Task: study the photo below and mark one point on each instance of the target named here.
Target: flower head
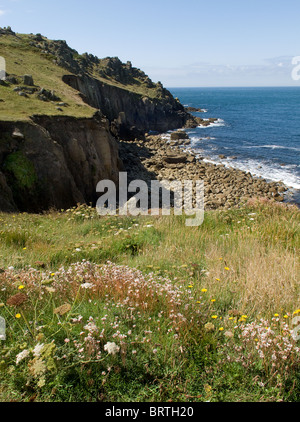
(111, 348)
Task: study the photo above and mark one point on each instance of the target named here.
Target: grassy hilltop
(47, 61)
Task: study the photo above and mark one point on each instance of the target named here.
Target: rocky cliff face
(124, 94)
(57, 160)
(130, 114)
(54, 162)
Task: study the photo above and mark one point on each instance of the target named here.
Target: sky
(182, 43)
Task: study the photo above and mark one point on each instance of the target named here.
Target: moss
(22, 169)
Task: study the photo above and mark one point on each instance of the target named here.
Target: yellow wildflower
(18, 316)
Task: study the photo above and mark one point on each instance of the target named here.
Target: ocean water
(258, 126)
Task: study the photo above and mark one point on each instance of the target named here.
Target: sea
(258, 130)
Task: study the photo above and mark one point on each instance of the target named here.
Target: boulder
(175, 159)
(28, 80)
(180, 134)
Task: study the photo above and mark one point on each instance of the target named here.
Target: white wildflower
(111, 348)
(87, 285)
(37, 350)
(24, 354)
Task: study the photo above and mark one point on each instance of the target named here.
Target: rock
(279, 198)
(222, 156)
(28, 80)
(18, 135)
(180, 134)
(175, 159)
(46, 95)
(11, 79)
(23, 94)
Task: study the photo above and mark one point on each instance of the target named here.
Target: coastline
(157, 158)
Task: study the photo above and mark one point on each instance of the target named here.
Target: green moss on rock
(22, 169)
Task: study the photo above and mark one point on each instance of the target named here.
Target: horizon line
(234, 86)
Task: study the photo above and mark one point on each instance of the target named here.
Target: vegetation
(147, 309)
(23, 57)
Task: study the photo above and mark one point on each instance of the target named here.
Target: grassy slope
(238, 263)
(21, 58)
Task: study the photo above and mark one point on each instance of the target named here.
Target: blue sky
(180, 43)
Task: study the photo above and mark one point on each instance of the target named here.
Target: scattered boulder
(180, 134)
(46, 95)
(28, 80)
(175, 159)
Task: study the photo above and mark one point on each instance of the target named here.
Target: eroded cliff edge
(55, 161)
(61, 114)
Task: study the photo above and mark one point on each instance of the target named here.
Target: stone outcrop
(130, 114)
(55, 162)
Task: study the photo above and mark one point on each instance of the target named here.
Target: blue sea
(258, 126)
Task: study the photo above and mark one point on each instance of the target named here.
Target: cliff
(60, 116)
(55, 162)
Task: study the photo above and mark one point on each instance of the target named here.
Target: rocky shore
(155, 158)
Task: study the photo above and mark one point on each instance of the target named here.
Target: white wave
(273, 147)
(264, 170)
(218, 123)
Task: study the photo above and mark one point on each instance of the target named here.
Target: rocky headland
(78, 119)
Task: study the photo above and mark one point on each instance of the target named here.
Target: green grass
(184, 301)
(21, 59)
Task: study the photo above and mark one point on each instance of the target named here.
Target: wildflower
(296, 312)
(228, 334)
(221, 329)
(214, 316)
(276, 315)
(213, 300)
(87, 286)
(21, 287)
(23, 355)
(62, 310)
(18, 316)
(285, 316)
(218, 279)
(111, 348)
(38, 350)
(154, 351)
(227, 269)
(17, 299)
(204, 290)
(209, 327)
